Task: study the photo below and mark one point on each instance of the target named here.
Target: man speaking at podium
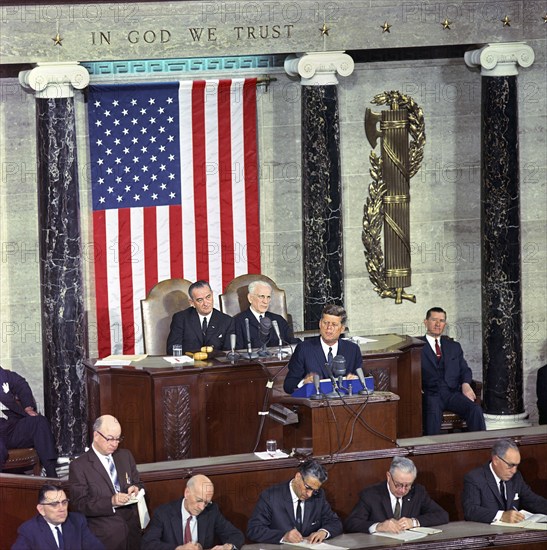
(311, 356)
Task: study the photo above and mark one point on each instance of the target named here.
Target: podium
(332, 426)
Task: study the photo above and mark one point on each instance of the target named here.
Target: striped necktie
(113, 473)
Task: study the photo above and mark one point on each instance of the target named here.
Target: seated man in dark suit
(20, 425)
(201, 324)
(53, 522)
(446, 378)
(397, 505)
(260, 296)
(295, 510)
(497, 490)
(310, 356)
(204, 525)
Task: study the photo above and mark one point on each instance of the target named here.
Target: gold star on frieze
(324, 30)
(446, 24)
(506, 21)
(385, 27)
(57, 40)
(545, 18)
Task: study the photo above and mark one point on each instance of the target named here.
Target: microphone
(317, 383)
(249, 346)
(339, 370)
(334, 393)
(265, 330)
(233, 356)
(361, 376)
(277, 333)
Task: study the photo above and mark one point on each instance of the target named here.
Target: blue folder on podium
(326, 387)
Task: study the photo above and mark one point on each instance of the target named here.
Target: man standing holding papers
(397, 505)
(497, 490)
(310, 356)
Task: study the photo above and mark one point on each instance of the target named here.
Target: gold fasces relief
(388, 204)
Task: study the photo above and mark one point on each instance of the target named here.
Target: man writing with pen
(295, 510)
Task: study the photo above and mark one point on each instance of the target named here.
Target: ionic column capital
(501, 59)
(319, 68)
(55, 80)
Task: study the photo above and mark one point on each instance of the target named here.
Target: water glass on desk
(177, 350)
(271, 447)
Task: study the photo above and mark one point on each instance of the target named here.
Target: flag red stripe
(225, 181)
(251, 177)
(101, 283)
(150, 248)
(200, 182)
(175, 241)
(126, 280)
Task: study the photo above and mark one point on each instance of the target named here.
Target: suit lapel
(99, 468)
(319, 358)
(47, 533)
(176, 523)
(194, 324)
(494, 487)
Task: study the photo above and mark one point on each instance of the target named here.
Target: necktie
(397, 511)
(437, 350)
(204, 326)
(61, 542)
(329, 357)
(299, 515)
(113, 473)
(188, 531)
(502, 493)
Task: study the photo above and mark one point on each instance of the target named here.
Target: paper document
(362, 340)
(113, 362)
(426, 530)
(403, 535)
(180, 360)
(265, 455)
(138, 357)
(317, 545)
(530, 521)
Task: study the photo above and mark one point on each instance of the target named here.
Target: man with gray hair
(296, 510)
(497, 490)
(397, 505)
(260, 296)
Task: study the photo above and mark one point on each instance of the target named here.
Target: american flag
(175, 193)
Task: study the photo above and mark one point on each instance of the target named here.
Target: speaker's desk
(212, 408)
(455, 535)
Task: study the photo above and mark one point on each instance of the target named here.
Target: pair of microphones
(266, 325)
(336, 371)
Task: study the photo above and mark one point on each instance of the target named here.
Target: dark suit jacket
(541, 390)
(91, 492)
(16, 399)
(374, 506)
(165, 529)
(254, 329)
(481, 495)
(273, 515)
(35, 534)
(309, 357)
(186, 330)
(456, 370)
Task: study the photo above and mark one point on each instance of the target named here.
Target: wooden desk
(458, 534)
(332, 426)
(211, 409)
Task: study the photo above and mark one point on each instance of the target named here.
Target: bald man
(102, 482)
(193, 522)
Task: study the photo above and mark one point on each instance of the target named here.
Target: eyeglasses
(263, 297)
(56, 504)
(110, 439)
(510, 465)
(308, 488)
(401, 485)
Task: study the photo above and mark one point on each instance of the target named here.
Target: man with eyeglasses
(296, 510)
(192, 522)
(397, 505)
(104, 483)
(201, 324)
(54, 527)
(497, 490)
(313, 354)
(260, 296)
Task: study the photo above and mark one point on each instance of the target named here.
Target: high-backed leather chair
(163, 301)
(234, 299)
(20, 460)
